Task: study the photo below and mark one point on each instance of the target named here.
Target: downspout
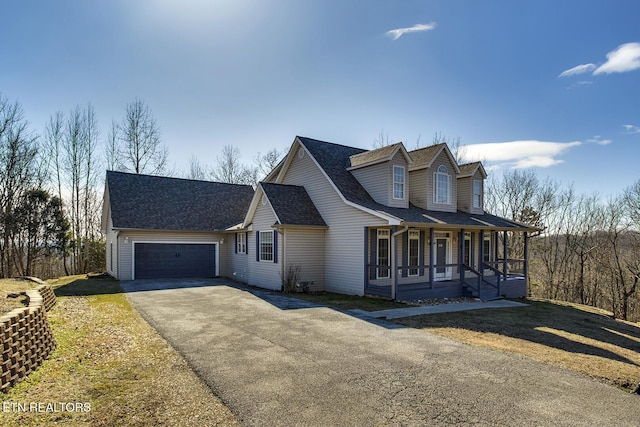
(394, 261)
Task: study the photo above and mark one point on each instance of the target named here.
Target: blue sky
(553, 85)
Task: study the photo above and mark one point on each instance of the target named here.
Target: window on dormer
(442, 185)
(477, 193)
(398, 182)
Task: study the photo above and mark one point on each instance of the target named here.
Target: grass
(580, 338)
(350, 302)
(13, 286)
(108, 357)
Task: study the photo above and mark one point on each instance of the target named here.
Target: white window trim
(413, 235)
(263, 242)
(446, 174)
(383, 234)
(467, 247)
(488, 254)
(394, 182)
(474, 194)
(242, 243)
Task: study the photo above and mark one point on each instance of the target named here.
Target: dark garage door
(172, 260)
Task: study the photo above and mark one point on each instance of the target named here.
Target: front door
(442, 257)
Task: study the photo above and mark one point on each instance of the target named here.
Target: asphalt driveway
(275, 360)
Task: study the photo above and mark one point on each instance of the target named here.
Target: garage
(174, 260)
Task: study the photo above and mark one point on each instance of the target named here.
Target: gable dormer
(384, 173)
(471, 188)
(433, 178)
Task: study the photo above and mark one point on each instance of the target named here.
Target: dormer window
(398, 182)
(477, 193)
(442, 186)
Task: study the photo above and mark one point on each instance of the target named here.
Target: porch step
(487, 293)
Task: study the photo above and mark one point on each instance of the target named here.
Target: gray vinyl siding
(305, 248)
(442, 159)
(265, 274)
(418, 188)
(125, 253)
(344, 239)
(465, 193)
(238, 264)
(111, 239)
(378, 181)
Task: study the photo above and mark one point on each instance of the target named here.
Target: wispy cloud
(519, 154)
(578, 69)
(631, 129)
(398, 32)
(597, 139)
(622, 59)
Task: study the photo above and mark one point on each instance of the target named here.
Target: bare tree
(111, 147)
(196, 169)
(455, 146)
(140, 149)
(267, 162)
(229, 169)
(382, 140)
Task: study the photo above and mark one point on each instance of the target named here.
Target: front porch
(422, 264)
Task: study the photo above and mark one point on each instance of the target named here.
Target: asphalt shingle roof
(372, 155)
(424, 156)
(292, 204)
(161, 203)
(334, 159)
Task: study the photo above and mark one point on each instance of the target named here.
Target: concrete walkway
(397, 313)
(276, 360)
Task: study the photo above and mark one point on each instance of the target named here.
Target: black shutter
(275, 246)
(236, 246)
(373, 257)
(405, 253)
(421, 251)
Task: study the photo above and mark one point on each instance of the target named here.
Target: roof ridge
(331, 143)
(175, 178)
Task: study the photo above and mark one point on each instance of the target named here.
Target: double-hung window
(467, 249)
(442, 185)
(383, 254)
(266, 246)
(486, 249)
(241, 243)
(398, 182)
(477, 193)
(414, 251)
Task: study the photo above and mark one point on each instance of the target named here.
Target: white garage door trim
(172, 242)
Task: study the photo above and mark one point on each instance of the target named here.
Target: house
(389, 222)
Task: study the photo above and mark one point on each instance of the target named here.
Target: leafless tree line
(589, 249)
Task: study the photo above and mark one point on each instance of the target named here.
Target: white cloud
(398, 32)
(631, 129)
(597, 139)
(519, 154)
(625, 57)
(578, 69)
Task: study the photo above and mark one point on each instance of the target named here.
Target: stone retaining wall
(26, 336)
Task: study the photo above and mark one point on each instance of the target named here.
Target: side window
(477, 193)
(398, 182)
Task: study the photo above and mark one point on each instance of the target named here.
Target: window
(442, 184)
(414, 251)
(467, 249)
(241, 243)
(487, 248)
(266, 246)
(383, 254)
(477, 193)
(398, 182)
